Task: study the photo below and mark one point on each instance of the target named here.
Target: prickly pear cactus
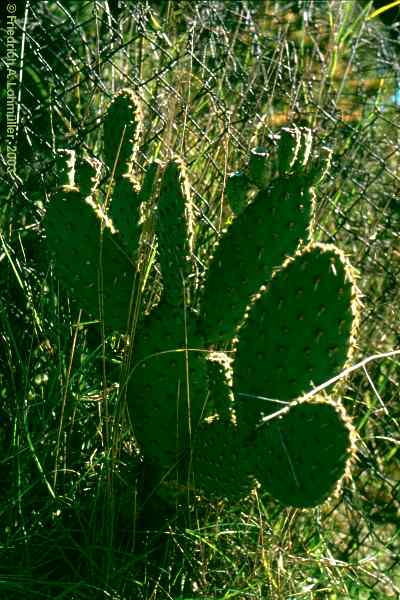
(219, 367)
(94, 235)
(289, 308)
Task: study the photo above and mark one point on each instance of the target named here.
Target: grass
(71, 479)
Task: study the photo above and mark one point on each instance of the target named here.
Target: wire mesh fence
(215, 78)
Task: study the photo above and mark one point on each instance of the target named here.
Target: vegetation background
(210, 74)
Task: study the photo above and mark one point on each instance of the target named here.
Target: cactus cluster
(220, 366)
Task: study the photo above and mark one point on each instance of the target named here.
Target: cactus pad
(175, 232)
(288, 148)
(298, 333)
(87, 174)
(258, 167)
(304, 453)
(89, 260)
(237, 186)
(168, 385)
(149, 181)
(124, 211)
(65, 166)
(122, 128)
(258, 240)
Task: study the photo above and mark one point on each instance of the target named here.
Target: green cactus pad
(122, 128)
(288, 148)
(304, 151)
(320, 166)
(124, 211)
(220, 466)
(168, 385)
(73, 228)
(304, 453)
(258, 240)
(298, 333)
(65, 167)
(237, 186)
(258, 167)
(149, 181)
(87, 175)
(294, 149)
(174, 232)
